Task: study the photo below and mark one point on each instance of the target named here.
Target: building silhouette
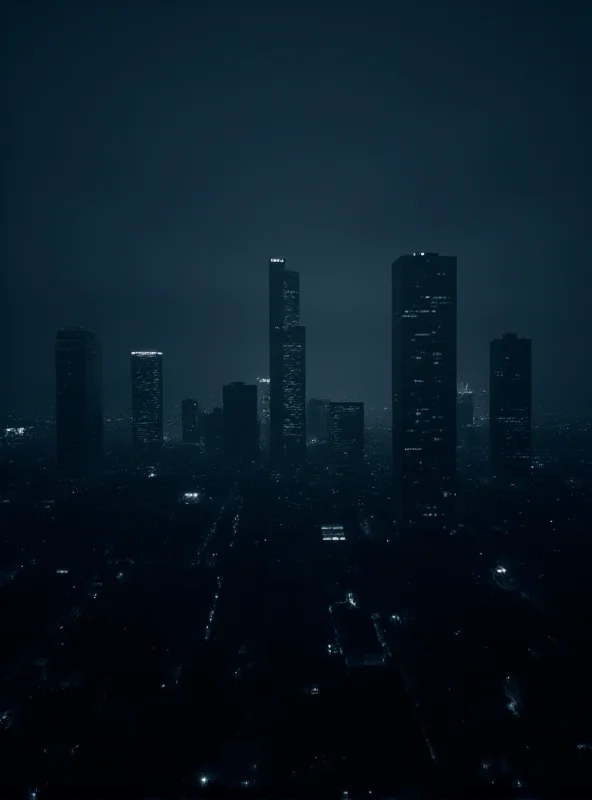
(147, 406)
(241, 427)
(346, 431)
(424, 390)
(190, 421)
(79, 402)
(317, 420)
(287, 367)
(510, 403)
(263, 385)
(212, 428)
(465, 414)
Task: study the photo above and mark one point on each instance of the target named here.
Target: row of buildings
(424, 393)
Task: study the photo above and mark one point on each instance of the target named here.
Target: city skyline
(158, 236)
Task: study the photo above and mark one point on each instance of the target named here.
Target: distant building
(241, 428)
(79, 402)
(465, 413)
(317, 422)
(510, 403)
(190, 421)
(212, 427)
(424, 389)
(346, 431)
(287, 367)
(294, 396)
(147, 402)
(263, 391)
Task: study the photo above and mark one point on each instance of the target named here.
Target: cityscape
(288, 508)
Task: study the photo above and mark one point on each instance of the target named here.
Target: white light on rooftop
(146, 353)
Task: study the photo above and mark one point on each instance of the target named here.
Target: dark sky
(156, 154)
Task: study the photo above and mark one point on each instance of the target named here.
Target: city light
(146, 353)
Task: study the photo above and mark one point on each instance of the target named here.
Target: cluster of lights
(277, 260)
(146, 353)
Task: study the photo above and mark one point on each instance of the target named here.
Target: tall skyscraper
(263, 385)
(79, 402)
(317, 422)
(190, 421)
(346, 429)
(241, 427)
(465, 413)
(287, 367)
(212, 424)
(510, 403)
(424, 389)
(147, 407)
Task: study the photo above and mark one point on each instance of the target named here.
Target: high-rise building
(190, 421)
(147, 407)
(263, 385)
(212, 425)
(287, 367)
(79, 402)
(424, 389)
(241, 427)
(346, 430)
(317, 421)
(510, 403)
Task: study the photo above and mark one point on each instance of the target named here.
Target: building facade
(263, 385)
(424, 403)
(241, 427)
(79, 402)
(212, 425)
(147, 400)
(346, 432)
(510, 403)
(317, 421)
(287, 367)
(190, 421)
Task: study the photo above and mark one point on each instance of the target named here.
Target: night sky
(155, 155)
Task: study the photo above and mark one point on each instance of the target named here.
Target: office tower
(287, 367)
(317, 421)
(465, 411)
(294, 396)
(241, 428)
(263, 385)
(346, 431)
(212, 426)
(424, 390)
(147, 409)
(79, 402)
(190, 421)
(510, 403)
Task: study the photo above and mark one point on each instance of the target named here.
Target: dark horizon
(154, 161)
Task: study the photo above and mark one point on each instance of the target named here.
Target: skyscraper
(510, 403)
(241, 427)
(317, 422)
(465, 413)
(424, 389)
(212, 424)
(346, 429)
(190, 421)
(287, 367)
(147, 408)
(79, 402)
(263, 407)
